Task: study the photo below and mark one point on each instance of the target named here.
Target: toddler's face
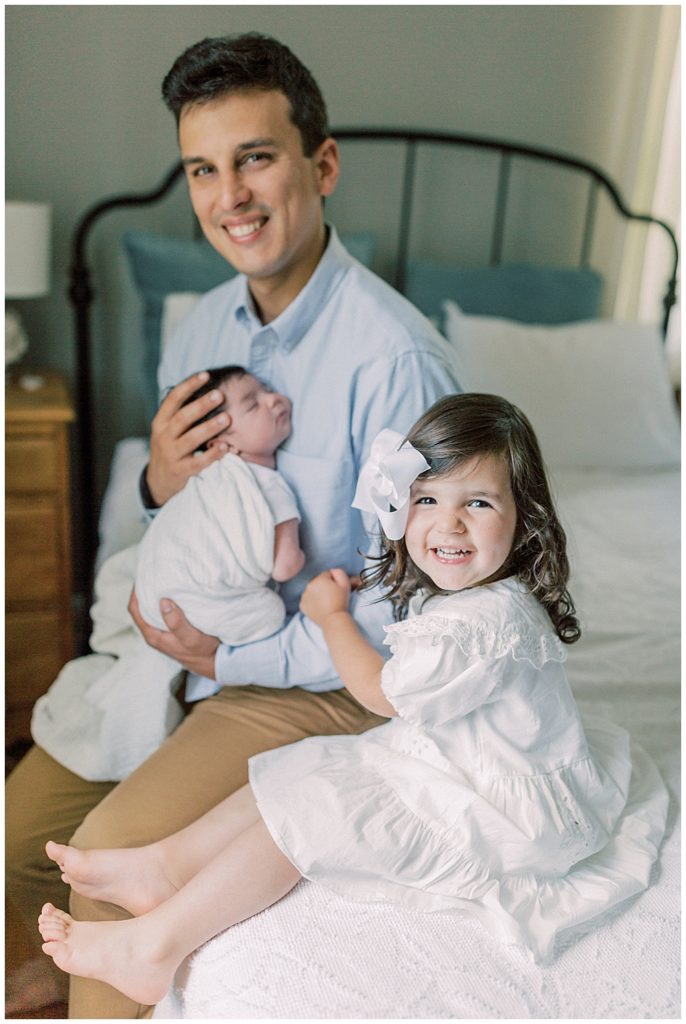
(461, 525)
(260, 418)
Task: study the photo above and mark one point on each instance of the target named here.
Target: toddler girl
(484, 794)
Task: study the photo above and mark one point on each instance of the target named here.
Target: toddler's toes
(52, 932)
(55, 851)
(61, 915)
(53, 922)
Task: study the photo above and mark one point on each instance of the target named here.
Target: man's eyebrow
(255, 144)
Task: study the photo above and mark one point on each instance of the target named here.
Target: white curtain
(647, 257)
(667, 205)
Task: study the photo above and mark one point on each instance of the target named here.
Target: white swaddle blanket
(211, 550)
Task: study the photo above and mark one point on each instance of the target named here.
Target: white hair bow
(385, 479)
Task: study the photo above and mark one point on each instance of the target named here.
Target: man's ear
(328, 165)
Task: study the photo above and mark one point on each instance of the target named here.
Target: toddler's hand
(325, 594)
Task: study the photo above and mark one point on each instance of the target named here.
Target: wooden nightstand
(38, 586)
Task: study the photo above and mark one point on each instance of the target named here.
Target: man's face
(257, 197)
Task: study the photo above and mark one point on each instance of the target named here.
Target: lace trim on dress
(480, 639)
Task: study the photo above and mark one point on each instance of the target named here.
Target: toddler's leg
(198, 766)
(140, 956)
(140, 878)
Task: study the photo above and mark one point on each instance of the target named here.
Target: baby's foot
(124, 954)
(133, 879)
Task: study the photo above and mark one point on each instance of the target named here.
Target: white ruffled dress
(486, 794)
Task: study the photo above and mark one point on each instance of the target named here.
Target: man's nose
(233, 190)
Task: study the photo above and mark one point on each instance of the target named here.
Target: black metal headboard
(81, 291)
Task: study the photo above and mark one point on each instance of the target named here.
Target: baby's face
(260, 419)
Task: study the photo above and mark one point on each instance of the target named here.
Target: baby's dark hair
(456, 430)
(217, 67)
(217, 376)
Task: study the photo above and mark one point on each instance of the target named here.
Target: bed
(599, 395)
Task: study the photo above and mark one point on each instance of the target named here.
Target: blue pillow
(161, 265)
(361, 245)
(514, 291)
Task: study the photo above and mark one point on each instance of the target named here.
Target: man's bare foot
(33, 985)
(134, 879)
(125, 954)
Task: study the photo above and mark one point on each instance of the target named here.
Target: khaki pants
(203, 762)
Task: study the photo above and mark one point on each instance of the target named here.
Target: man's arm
(295, 656)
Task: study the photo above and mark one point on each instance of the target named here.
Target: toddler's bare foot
(134, 879)
(124, 954)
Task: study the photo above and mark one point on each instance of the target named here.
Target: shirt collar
(297, 318)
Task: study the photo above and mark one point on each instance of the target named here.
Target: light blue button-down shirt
(353, 356)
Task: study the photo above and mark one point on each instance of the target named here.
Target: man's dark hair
(216, 67)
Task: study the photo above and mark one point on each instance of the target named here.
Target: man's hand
(326, 594)
(172, 441)
(181, 641)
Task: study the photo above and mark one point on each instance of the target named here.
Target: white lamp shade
(27, 250)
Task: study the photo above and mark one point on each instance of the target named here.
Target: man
(351, 354)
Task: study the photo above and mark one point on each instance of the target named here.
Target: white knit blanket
(210, 549)
(108, 711)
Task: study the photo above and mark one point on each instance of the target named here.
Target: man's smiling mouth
(244, 230)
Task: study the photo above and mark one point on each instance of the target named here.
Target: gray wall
(84, 118)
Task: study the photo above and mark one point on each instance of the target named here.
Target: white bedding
(316, 955)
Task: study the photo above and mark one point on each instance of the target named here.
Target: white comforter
(316, 955)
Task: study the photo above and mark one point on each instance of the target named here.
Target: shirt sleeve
(396, 393)
(297, 655)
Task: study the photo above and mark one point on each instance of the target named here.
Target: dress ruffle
(479, 639)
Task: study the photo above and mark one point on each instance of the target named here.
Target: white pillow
(176, 306)
(121, 520)
(597, 392)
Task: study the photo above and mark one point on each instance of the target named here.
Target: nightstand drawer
(32, 534)
(38, 613)
(31, 465)
(34, 654)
